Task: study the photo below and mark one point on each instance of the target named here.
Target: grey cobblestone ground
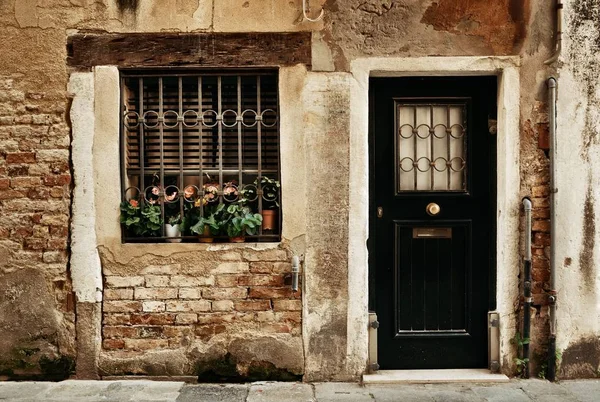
(138, 391)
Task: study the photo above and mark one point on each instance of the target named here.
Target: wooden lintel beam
(86, 50)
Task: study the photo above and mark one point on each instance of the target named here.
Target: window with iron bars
(200, 156)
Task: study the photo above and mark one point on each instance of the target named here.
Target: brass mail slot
(432, 233)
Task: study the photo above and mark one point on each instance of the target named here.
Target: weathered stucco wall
(578, 253)
(35, 162)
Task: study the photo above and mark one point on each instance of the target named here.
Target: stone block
(216, 318)
(119, 332)
(116, 319)
(146, 344)
(113, 343)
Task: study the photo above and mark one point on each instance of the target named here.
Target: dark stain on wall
(127, 5)
(586, 255)
(581, 359)
(502, 24)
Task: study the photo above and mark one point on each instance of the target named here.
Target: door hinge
(493, 126)
(374, 324)
(380, 212)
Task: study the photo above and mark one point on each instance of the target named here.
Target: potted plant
(239, 221)
(208, 225)
(270, 190)
(141, 221)
(173, 228)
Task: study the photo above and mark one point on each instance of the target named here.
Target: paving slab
(158, 391)
(452, 393)
(280, 392)
(501, 393)
(545, 391)
(74, 390)
(336, 391)
(584, 390)
(19, 390)
(396, 393)
(214, 393)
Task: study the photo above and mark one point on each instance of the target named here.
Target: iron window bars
(188, 137)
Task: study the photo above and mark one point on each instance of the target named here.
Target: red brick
(24, 182)
(146, 344)
(252, 305)
(117, 319)
(22, 232)
(287, 305)
(277, 328)
(57, 180)
(541, 239)
(59, 231)
(540, 203)
(224, 293)
(215, 318)
(119, 332)
(56, 244)
(261, 267)
(289, 316)
(271, 293)
(120, 306)
(38, 193)
(541, 213)
(10, 194)
(153, 319)
(113, 344)
(540, 274)
(208, 331)
(118, 294)
(541, 226)
(4, 183)
(20, 157)
(34, 244)
(540, 191)
(155, 293)
(543, 136)
(540, 262)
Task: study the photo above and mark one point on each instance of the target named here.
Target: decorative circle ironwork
(424, 164)
(190, 193)
(171, 194)
(409, 166)
(215, 114)
(250, 192)
(254, 119)
(166, 119)
(152, 194)
(128, 194)
(462, 131)
(146, 119)
(127, 117)
(427, 131)
(269, 192)
(263, 119)
(456, 160)
(224, 114)
(411, 131)
(195, 119)
(230, 192)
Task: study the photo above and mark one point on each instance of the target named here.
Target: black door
(432, 219)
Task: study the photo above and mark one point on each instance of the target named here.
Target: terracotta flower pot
(173, 231)
(237, 239)
(269, 219)
(206, 236)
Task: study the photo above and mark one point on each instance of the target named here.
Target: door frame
(506, 68)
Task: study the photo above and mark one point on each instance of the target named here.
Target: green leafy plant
(270, 188)
(141, 221)
(521, 363)
(174, 219)
(211, 220)
(238, 220)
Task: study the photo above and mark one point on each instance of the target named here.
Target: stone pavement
(142, 390)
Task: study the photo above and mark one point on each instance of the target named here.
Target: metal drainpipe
(558, 45)
(527, 284)
(552, 85)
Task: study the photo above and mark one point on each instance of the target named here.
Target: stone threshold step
(433, 376)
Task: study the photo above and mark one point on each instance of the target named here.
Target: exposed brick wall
(173, 302)
(34, 215)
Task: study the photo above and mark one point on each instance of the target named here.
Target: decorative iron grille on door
(191, 142)
(431, 147)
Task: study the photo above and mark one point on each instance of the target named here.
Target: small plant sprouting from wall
(521, 363)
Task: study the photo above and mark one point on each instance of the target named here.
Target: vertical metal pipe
(552, 87)
(239, 127)
(180, 124)
(527, 286)
(162, 152)
(141, 128)
(200, 150)
(220, 128)
(259, 148)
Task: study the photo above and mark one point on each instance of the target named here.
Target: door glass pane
(431, 147)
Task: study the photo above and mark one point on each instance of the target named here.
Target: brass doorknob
(433, 209)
